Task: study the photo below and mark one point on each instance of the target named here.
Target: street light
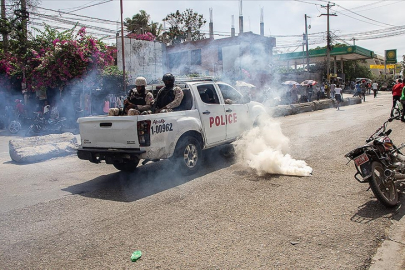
(122, 48)
(306, 40)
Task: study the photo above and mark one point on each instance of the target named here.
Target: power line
(363, 16)
(82, 16)
(106, 1)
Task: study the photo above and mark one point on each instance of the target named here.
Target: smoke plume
(264, 149)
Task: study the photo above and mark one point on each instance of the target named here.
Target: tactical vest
(165, 96)
(138, 99)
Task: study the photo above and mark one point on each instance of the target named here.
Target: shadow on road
(148, 179)
(373, 210)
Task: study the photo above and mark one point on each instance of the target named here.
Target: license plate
(363, 158)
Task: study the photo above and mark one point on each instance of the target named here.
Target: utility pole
(24, 20)
(122, 49)
(3, 16)
(306, 41)
(328, 46)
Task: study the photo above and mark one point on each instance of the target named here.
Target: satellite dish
(309, 26)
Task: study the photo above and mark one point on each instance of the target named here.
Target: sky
(375, 25)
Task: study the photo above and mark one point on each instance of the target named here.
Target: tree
(54, 59)
(139, 24)
(140, 27)
(179, 24)
(156, 29)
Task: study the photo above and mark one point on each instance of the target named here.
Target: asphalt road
(66, 213)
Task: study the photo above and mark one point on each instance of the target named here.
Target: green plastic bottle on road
(136, 255)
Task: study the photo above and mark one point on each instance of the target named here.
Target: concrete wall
(284, 110)
(142, 58)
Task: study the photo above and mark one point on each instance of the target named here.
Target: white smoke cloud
(264, 149)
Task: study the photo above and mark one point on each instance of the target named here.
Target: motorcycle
(43, 125)
(380, 164)
(21, 121)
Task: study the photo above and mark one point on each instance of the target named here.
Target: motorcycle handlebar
(381, 130)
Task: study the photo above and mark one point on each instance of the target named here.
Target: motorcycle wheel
(14, 127)
(33, 130)
(383, 188)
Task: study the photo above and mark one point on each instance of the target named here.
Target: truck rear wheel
(188, 155)
(126, 166)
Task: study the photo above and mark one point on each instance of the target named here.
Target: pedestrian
(321, 92)
(332, 90)
(357, 90)
(137, 101)
(402, 99)
(369, 87)
(327, 90)
(338, 96)
(169, 97)
(309, 92)
(375, 88)
(396, 94)
(294, 94)
(363, 87)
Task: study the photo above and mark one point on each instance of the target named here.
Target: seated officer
(138, 101)
(168, 97)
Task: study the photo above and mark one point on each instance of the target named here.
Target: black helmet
(168, 77)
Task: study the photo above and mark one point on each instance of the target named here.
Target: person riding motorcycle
(169, 97)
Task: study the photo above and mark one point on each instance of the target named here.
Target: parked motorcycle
(381, 164)
(43, 125)
(20, 121)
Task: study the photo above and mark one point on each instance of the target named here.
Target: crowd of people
(364, 87)
(332, 90)
(314, 91)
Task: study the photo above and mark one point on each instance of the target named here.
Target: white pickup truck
(203, 120)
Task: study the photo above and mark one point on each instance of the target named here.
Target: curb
(390, 255)
(284, 110)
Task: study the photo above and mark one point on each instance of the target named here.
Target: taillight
(144, 133)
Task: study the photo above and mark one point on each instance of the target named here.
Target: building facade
(246, 56)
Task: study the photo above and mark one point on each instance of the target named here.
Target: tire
(33, 130)
(188, 155)
(126, 166)
(14, 127)
(395, 112)
(384, 189)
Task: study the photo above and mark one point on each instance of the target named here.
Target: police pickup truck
(203, 120)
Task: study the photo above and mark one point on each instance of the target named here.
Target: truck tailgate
(109, 132)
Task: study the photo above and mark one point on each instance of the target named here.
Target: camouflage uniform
(178, 97)
(138, 109)
(133, 109)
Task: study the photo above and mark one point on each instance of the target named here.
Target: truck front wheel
(126, 166)
(188, 155)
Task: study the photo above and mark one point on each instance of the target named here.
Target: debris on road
(38, 148)
(136, 255)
